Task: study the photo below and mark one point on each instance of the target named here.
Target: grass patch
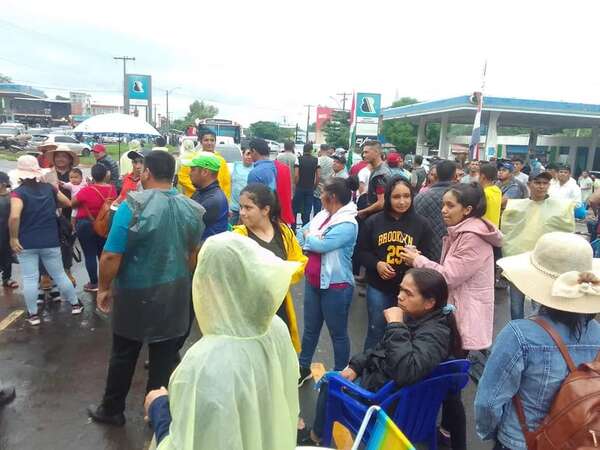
(111, 149)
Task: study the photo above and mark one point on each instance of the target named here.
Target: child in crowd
(6, 256)
(76, 183)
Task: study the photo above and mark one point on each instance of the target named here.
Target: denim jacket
(336, 245)
(526, 361)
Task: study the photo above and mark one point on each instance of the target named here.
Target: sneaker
(98, 414)
(77, 309)
(305, 374)
(55, 296)
(303, 438)
(89, 287)
(34, 320)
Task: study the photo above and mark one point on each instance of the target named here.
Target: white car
(81, 149)
(230, 152)
(274, 147)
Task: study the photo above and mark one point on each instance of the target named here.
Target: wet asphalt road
(59, 368)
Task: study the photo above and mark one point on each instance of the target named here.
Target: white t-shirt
(523, 178)
(568, 191)
(363, 177)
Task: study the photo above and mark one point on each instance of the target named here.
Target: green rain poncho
(236, 388)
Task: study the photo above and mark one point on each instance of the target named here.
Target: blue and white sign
(368, 105)
(139, 87)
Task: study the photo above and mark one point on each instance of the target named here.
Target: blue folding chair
(414, 409)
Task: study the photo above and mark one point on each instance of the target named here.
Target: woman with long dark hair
(259, 213)
(420, 334)
(467, 264)
(382, 238)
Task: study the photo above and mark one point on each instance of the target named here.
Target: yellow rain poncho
(183, 175)
(294, 253)
(125, 164)
(236, 388)
(524, 221)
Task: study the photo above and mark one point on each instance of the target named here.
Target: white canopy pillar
(572, 156)
(592, 151)
(491, 140)
(421, 149)
(443, 142)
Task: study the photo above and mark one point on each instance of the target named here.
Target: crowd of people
(432, 245)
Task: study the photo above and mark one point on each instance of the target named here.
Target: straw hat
(51, 153)
(560, 273)
(27, 168)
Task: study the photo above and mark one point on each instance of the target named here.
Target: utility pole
(169, 117)
(307, 120)
(344, 95)
(125, 96)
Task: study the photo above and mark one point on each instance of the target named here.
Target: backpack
(573, 421)
(101, 223)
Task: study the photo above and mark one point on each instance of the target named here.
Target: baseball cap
(340, 158)
(99, 148)
(133, 155)
(393, 159)
(205, 160)
(506, 165)
(546, 175)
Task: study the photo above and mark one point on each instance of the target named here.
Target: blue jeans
(317, 206)
(333, 306)
(303, 203)
(30, 270)
(377, 301)
(92, 246)
(517, 303)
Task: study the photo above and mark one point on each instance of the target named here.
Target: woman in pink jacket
(467, 264)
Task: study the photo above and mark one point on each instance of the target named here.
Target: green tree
(197, 110)
(265, 130)
(5, 78)
(337, 129)
(402, 135)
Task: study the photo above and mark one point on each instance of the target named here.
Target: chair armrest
(337, 382)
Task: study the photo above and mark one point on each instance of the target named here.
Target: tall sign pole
(125, 96)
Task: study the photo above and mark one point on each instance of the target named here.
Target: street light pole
(125, 96)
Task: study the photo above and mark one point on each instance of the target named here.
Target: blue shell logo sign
(138, 87)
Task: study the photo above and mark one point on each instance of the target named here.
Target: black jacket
(382, 238)
(407, 353)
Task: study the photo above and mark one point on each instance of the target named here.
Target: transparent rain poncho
(524, 221)
(236, 388)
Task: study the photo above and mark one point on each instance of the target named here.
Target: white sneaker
(33, 320)
(77, 309)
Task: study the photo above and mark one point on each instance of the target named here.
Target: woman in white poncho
(236, 388)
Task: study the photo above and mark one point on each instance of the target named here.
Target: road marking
(8, 320)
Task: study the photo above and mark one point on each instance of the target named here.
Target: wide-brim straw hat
(560, 273)
(27, 168)
(51, 153)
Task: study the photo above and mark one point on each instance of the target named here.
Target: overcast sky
(264, 60)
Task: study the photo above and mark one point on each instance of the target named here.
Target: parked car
(231, 154)
(274, 147)
(13, 138)
(82, 149)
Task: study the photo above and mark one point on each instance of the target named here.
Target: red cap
(393, 159)
(99, 148)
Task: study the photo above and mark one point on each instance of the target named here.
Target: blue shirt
(239, 180)
(264, 172)
(214, 202)
(526, 361)
(116, 241)
(38, 224)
